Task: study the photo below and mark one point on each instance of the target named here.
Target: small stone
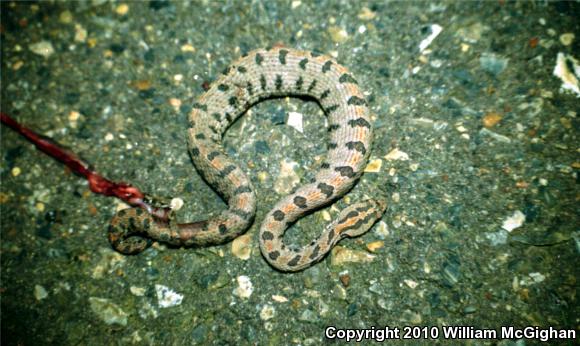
(374, 166)
(435, 30)
(288, 178)
(411, 317)
(40, 292)
(296, 3)
(338, 34)
(245, 287)
(122, 9)
(491, 119)
(176, 203)
(40, 206)
(514, 221)
(65, 17)
(382, 230)
(344, 279)
(493, 63)
(166, 297)
(342, 255)
(188, 48)
(325, 215)
(375, 245)
(410, 283)
(137, 291)
(16, 171)
(472, 33)
(267, 312)
(366, 14)
(567, 38)
(568, 70)
(42, 48)
(295, 121)
(279, 299)
(242, 247)
(397, 154)
(109, 137)
(80, 33)
(107, 311)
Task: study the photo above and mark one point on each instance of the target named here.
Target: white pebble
(397, 154)
(166, 297)
(295, 121)
(40, 292)
(43, 48)
(267, 312)
(514, 221)
(245, 287)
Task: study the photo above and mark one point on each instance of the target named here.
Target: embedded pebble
(338, 34)
(496, 136)
(493, 63)
(43, 48)
(472, 33)
(567, 38)
(80, 33)
(137, 291)
(176, 203)
(516, 220)
(375, 245)
(491, 119)
(65, 17)
(40, 292)
(241, 247)
(288, 178)
(166, 297)
(366, 14)
(279, 298)
(267, 312)
(245, 287)
(382, 230)
(397, 154)
(374, 166)
(16, 171)
(295, 121)
(435, 31)
(410, 283)
(341, 255)
(122, 9)
(107, 311)
(569, 78)
(344, 278)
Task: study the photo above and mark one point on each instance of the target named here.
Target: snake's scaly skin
(258, 75)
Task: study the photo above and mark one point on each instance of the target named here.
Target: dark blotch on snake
(223, 87)
(242, 69)
(359, 122)
(278, 215)
(346, 78)
(324, 94)
(200, 136)
(333, 127)
(222, 228)
(233, 101)
(267, 235)
(300, 202)
(242, 189)
(331, 109)
(332, 145)
(356, 101)
(213, 155)
(303, 63)
(345, 171)
(312, 85)
(263, 82)
(273, 255)
(194, 152)
(326, 66)
(259, 59)
(278, 82)
(315, 252)
(326, 189)
(299, 83)
(294, 262)
(358, 146)
(282, 56)
(200, 106)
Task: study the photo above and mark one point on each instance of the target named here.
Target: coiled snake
(258, 75)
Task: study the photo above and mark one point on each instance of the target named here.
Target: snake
(258, 75)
